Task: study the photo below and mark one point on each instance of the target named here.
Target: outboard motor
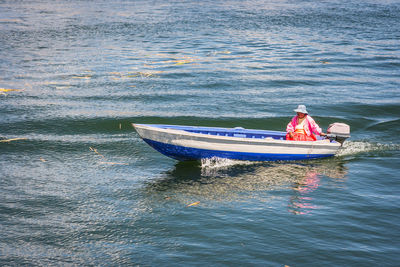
(338, 131)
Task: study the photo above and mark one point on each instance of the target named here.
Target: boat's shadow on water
(229, 181)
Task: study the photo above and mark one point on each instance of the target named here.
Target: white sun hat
(301, 109)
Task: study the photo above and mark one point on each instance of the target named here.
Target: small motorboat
(196, 143)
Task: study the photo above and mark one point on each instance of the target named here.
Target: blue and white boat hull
(195, 143)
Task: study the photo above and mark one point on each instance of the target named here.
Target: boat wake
(358, 147)
(215, 165)
(218, 163)
(212, 166)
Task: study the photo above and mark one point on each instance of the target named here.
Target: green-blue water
(79, 187)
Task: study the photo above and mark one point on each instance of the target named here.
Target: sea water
(79, 187)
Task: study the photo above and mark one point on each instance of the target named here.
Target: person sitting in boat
(302, 127)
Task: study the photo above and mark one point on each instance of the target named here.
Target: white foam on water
(222, 163)
(356, 147)
(215, 166)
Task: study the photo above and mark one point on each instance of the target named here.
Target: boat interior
(231, 132)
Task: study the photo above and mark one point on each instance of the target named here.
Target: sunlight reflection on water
(221, 181)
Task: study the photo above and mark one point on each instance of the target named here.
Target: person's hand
(322, 134)
(291, 134)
